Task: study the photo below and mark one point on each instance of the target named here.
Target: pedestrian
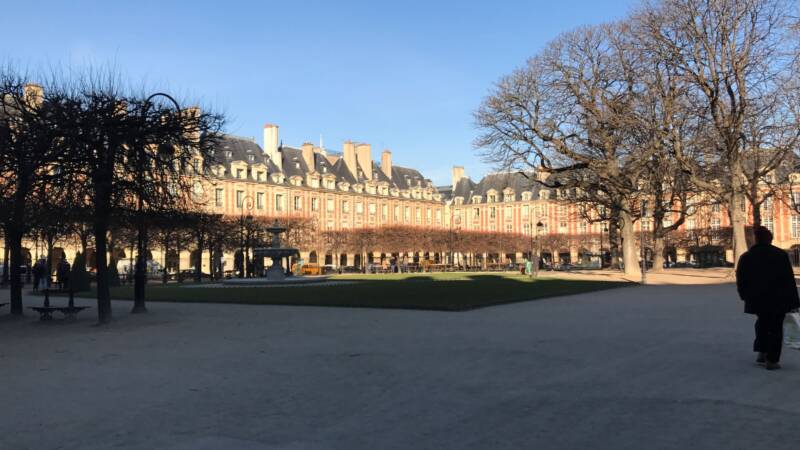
(62, 274)
(765, 281)
(37, 275)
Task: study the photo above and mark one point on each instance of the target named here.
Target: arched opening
(587, 259)
(328, 259)
(546, 260)
(564, 256)
(342, 260)
(312, 257)
(357, 260)
(794, 255)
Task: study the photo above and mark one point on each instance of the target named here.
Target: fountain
(275, 252)
(275, 273)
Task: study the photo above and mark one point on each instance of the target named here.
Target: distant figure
(765, 280)
(62, 274)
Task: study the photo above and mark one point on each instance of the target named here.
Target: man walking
(765, 281)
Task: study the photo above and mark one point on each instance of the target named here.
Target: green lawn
(439, 291)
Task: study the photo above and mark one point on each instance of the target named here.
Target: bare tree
(737, 61)
(568, 111)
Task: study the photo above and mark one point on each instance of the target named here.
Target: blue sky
(399, 75)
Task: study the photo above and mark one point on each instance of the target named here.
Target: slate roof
(233, 148)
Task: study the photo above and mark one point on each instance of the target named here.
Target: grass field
(439, 291)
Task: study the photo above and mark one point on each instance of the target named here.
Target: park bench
(46, 311)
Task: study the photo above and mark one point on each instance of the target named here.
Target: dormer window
(228, 154)
(240, 173)
(324, 169)
(297, 165)
(251, 158)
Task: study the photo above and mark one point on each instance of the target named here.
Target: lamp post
(644, 251)
(539, 228)
(140, 268)
(247, 203)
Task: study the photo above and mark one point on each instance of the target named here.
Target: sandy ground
(648, 367)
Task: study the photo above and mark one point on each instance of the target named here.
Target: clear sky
(403, 75)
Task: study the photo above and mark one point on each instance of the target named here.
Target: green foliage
(113, 273)
(79, 278)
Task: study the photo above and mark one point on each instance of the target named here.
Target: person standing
(766, 284)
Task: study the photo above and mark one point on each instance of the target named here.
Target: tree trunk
(15, 242)
(103, 291)
(6, 253)
(140, 272)
(165, 274)
(211, 266)
(756, 215)
(738, 223)
(629, 253)
(658, 252)
(613, 242)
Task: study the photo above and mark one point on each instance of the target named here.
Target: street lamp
(247, 203)
(644, 251)
(140, 270)
(539, 229)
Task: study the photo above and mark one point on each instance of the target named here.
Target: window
(372, 209)
(509, 228)
(690, 224)
(197, 166)
(582, 227)
(330, 205)
(298, 203)
(384, 212)
(314, 204)
(477, 212)
(218, 194)
(259, 200)
(491, 198)
(239, 199)
(525, 211)
(509, 213)
(428, 216)
(345, 206)
(418, 215)
(492, 212)
(278, 202)
(715, 207)
(240, 173)
(396, 213)
(251, 158)
(795, 226)
(768, 222)
(359, 208)
(715, 223)
(438, 216)
(407, 214)
(260, 175)
(508, 198)
(562, 211)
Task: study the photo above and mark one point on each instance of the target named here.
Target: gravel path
(637, 368)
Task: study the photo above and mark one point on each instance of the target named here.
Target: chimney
(364, 156)
(386, 163)
(458, 174)
(350, 157)
(271, 144)
(34, 94)
(194, 112)
(308, 155)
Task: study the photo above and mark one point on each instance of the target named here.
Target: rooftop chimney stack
(386, 163)
(308, 155)
(458, 174)
(349, 155)
(271, 145)
(364, 157)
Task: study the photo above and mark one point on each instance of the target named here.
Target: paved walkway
(647, 367)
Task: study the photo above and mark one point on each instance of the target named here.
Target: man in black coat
(765, 280)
